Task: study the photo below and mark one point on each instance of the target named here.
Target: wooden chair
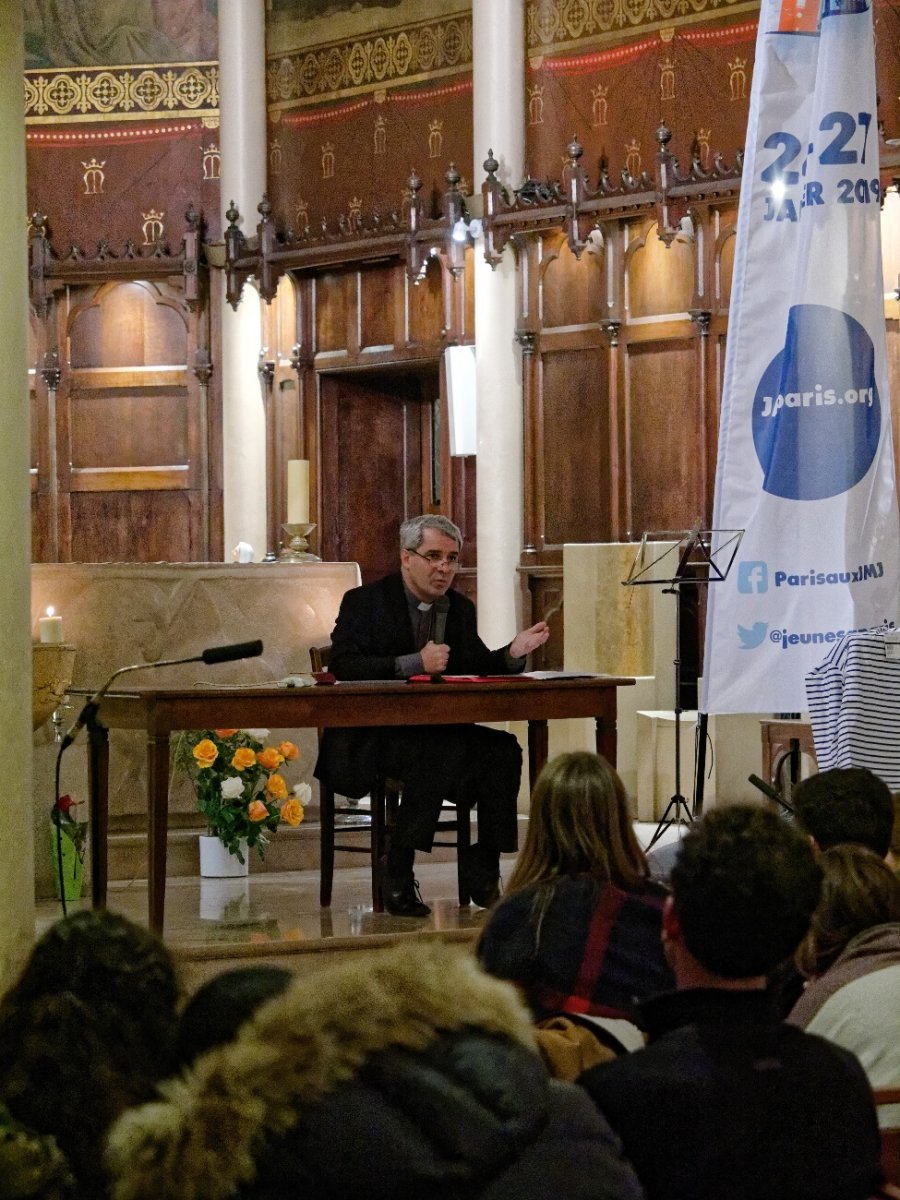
(384, 801)
(890, 1140)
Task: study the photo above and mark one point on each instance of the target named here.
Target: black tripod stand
(677, 811)
(698, 565)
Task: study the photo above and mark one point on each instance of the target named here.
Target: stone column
(499, 85)
(16, 818)
(242, 113)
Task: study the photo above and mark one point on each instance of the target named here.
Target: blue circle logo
(816, 412)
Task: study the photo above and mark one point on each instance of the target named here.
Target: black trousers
(435, 762)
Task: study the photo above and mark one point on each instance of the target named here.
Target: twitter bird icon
(752, 637)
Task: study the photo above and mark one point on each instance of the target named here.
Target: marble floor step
(292, 849)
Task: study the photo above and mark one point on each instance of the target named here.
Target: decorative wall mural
(94, 33)
(301, 10)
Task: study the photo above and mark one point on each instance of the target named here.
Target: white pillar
(498, 37)
(16, 819)
(242, 113)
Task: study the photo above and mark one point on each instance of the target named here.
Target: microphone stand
(98, 761)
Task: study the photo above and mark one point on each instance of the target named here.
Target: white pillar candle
(298, 491)
(50, 627)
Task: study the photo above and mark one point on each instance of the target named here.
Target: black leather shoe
(401, 896)
(481, 874)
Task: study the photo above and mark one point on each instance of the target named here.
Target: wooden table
(161, 711)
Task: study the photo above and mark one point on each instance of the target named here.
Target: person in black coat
(414, 623)
(727, 1100)
(394, 1074)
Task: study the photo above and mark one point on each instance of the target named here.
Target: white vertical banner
(805, 461)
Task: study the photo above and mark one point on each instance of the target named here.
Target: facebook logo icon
(753, 576)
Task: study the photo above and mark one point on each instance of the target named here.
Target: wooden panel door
(377, 463)
(129, 439)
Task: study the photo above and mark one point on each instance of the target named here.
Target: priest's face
(429, 571)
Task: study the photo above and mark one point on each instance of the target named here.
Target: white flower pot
(224, 899)
(217, 863)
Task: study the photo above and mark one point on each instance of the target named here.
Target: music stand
(691, 561)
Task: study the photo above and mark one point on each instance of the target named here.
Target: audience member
(892, 858)
(87, 1031)
(32, 1166)
(409, 1073)
(846, 804)
(726, 1100)
(579, 926)
(851, 955)
(220, 1006)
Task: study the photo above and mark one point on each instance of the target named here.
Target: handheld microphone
(216, 654)
(441, 608)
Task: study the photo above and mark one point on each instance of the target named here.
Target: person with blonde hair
(579, 927)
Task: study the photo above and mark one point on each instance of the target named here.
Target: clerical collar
(415, 602)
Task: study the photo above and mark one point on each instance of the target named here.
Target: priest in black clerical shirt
(414, 623)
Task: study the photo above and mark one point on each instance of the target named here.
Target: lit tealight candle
(298, 491)
(50, 627)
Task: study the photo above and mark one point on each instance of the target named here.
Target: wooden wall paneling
(574, 448)
(569, 297)
(308, 408)
(213, 435)
(127, 423)
(723, 226)
(43, 381)
(531, 525)
(432, 468)
(613, 464)
(328, 460)
(275, 471)
(659, 278)
(528, 257)
(663, 418)
(573, 291)
(542, 600)
(376, 326)
(531, 255)
(44, 547)
(398, 301)
(199, 374)
(332, 307)
(120, 526)
(615, 235)
(372, 457)
(283, 435)
(431, 305)
(468, 305)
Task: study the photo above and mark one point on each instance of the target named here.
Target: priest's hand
(434, 658)
(529, 639)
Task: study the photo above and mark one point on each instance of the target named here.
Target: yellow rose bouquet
(239, 786)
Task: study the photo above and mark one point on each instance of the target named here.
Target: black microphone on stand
(97, 735)
(216, 654)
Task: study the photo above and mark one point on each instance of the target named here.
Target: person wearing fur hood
(406, 1072)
